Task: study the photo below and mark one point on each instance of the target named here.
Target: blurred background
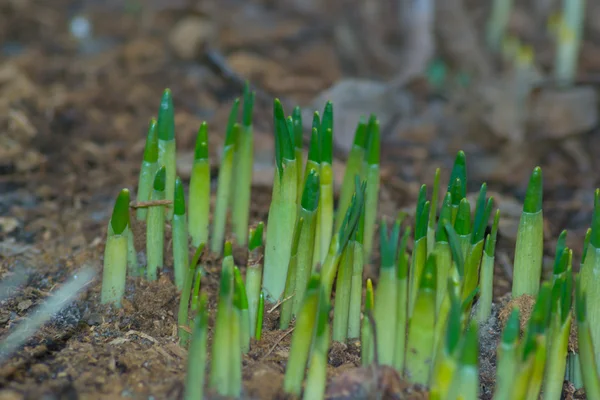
(514, 85)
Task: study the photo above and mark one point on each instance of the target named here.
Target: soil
(73, 115)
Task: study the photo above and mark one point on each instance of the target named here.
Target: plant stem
(155, 227)
(287, 308)
(224, 189)
(530, 241)
(487, 273)
(367, 347)
(356, 287)
(148, 169)
(244, 161)
(254, 275)
(199, 204)
(181, 255)
(371, 172)
(165, 126)
(197, 358)
(182, 315)
(115, 253)
(317, 369)
(341, 311)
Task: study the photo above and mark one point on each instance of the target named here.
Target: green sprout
(387, 289)
(282, 211)
(199, 204)
(401, 303)
(115, 253)
(325, 211)
(165, 127)
(197, 357)
(530, 240)
(432, 225)
(371, 174)
(180, 236)
(244, 159)
(587, 348)
(508, 357)
(487, 273)
(155, 226)
(298, 141)
(148, 169)
(241, 306)
(182, 315)
(225, 182)
(254, 272)
(290, 292)
(366, 336)
(356, 286)
(354, 166)
(316, 379)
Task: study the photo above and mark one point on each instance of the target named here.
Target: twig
(153, 203)
(279, 302)
(277, 343)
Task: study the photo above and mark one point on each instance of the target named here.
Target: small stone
(24, 305)
(94, 319)
(559, 113)
(189, 35)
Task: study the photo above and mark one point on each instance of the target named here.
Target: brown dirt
(73, 116)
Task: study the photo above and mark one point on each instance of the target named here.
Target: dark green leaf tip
(120, 216)
(314, 283)
(201, 150)
(463, 218)
(248, 105)
(256, 237)
(360, 135)
(459, 171)
(151, 148)
(283, 137)
(160, 179)
(428, 280)
(327, 121)
(533, 196)
(314, 150)
(179, 198)
(230, 135)
(316, 122)
(586, 244)
(297, 118)
(595, 235)
(374, 142)
(227, 249)
(560, 261)
(512, 328)
(310, 195)
(166, 117)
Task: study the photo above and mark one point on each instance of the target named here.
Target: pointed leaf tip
(310, 195)
(179, 198)
(160, 179)
(534, 197)
(201, 149)
(166, 117)
(151, 148)
(120, 216)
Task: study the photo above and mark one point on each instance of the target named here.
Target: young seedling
(115, 253)
(148, 169)
(419, 256)
(442, 251)
(508, 357)
(260, 315)
(224, 187)
(343, 288)
(316, 379)
(254, 274)
(367, 337)
(590, 284)
(466, 378)
(325, 212)
(354, 166)
(457, 185)
(182, 316)
(484, 307)
(302, 338)
(356, 288)
(290, 292)
(530, 240)
(401, 303)
(199, 204)
(371, 174)
(244, 159)
(587, 348)
(282, 211)
(306, 241)
(241, 306)
(181, 255)
(421, 327)
(387, 293)
(197, 357)
(221, 378)
(165, 126)
(155, 226)
(432, 224)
